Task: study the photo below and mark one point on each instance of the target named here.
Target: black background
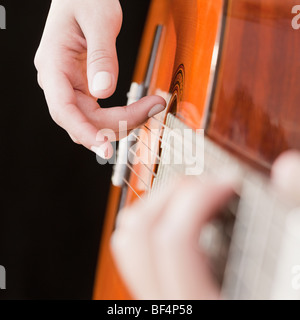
(53, 192)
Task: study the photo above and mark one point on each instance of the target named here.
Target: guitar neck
(258, 265)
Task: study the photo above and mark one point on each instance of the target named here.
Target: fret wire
(128, 184)
(143, 163)
(251, 226)
(140, 178)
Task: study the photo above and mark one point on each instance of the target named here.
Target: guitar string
(183, 119)
(143, 163)
(242, 282)
(148, 186)
(135, 192)
(168, 128)
(246, 248)
(235, 251)
(152, 151)
(138, 176)
(156, 135)
(171, 147)
(152, 172)
(266, 234)
(238, 284)
(251, 284)
(159, 138)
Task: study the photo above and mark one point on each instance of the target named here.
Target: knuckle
(81, 133)
(80, 137)
(102, 56)
(56, 116)
(37, 59)
(39, 80)
(74, 139)
(134, 116)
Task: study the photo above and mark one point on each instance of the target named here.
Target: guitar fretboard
(265, 242)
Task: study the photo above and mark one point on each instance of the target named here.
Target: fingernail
(101, 151)
(102, 81)
(155, 110)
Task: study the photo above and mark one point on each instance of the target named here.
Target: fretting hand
(156, 243)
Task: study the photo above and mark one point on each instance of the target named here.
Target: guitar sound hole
(173, 105)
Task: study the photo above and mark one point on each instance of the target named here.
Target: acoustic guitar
(232, 69)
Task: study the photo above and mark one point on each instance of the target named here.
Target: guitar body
(229, 67)
(255, 110)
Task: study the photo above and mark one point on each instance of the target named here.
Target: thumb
(101, 31)
(102, 70)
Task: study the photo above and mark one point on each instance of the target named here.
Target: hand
(156, 246)
(155, 243)
(77, 64)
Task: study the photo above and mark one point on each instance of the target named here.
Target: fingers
(63, 108)
(134, 115)
(132, 249)
(286, 175)
(156, 247)
(83, 119)
(100, 27)
(203, 203)
(76, 59)
(176, 240)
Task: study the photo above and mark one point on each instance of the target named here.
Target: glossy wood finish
(256, 110)
(189, 36)
(108, 284)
